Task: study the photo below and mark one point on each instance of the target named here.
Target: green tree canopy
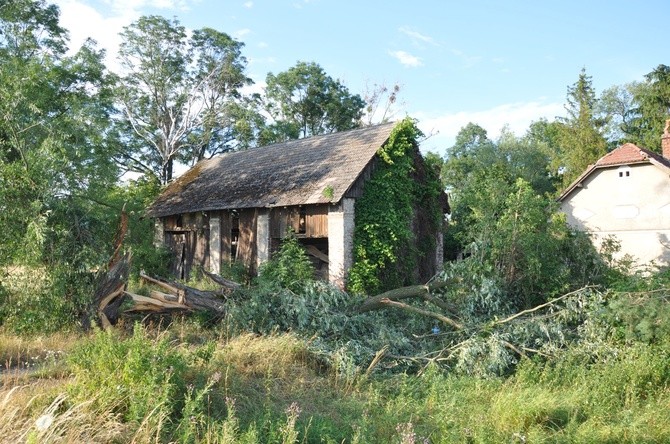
(54, 114)
(180, 96)
(651, 109)
(305, 101)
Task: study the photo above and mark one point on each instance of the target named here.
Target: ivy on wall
(386, 247)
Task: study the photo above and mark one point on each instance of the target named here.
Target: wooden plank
(226, 228)
(247, 240)
(316, 221)
(311, 249)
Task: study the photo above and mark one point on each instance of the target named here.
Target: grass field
(193, 385)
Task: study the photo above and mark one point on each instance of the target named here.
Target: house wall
(248, 236)
(635, 208)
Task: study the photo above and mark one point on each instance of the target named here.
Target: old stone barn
(237, 207)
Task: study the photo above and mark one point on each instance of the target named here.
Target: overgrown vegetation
(528, 335)
(394, 197)
(607, 381)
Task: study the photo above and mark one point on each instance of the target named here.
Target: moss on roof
(290, 173)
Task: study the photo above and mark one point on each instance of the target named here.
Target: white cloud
(249, 5)
(262, 45)
(406, 58)
(240, 33)
(517, 116)
(261, 60)
(84, 21)
(416, 36)
(121, 6)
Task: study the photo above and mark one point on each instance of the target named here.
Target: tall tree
(652, 108)
(379, 103)
(617, 104)
(54, 113)
(176, 93)
(305, 101)
(472, 150)
(581, 140)
(220, 76)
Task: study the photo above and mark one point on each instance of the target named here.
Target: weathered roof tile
(296, 172)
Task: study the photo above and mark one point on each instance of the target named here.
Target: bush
(37, 301)
(289, 267)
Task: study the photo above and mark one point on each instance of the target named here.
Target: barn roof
(318, 169)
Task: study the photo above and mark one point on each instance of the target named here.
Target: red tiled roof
(625, 154)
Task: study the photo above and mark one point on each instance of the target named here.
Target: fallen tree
(178, 297)
(391, 298)
(111, 289)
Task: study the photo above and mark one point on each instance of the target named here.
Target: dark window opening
(302, 221)
(179, 221)
(234, 234)
(627, 173)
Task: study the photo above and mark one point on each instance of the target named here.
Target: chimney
(665, 141)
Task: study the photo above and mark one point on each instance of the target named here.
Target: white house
(626, 194)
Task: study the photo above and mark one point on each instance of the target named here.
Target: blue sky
(489, 62)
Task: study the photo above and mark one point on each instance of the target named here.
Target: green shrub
(36, 301)
(289, 267)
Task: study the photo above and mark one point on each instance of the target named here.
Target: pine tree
(580, 139)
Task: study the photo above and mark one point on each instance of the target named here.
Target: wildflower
(293, 410)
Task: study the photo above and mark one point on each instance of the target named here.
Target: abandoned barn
(237, 207)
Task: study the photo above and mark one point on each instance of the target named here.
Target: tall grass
(177, 386)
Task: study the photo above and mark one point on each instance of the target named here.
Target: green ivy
(385, 251)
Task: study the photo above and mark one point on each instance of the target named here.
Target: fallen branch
(188, 297)
(420, 311)
(414, 291)
(541, 306)
(226, 283)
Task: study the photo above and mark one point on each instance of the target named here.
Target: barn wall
(215, 242)
(309, 221)
(187, 236)
(246, 245)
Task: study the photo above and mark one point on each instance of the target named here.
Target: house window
(624, 171)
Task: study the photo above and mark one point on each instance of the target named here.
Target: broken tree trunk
(225, 283)
(413, 291)
(109, 292)
(178, 297)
